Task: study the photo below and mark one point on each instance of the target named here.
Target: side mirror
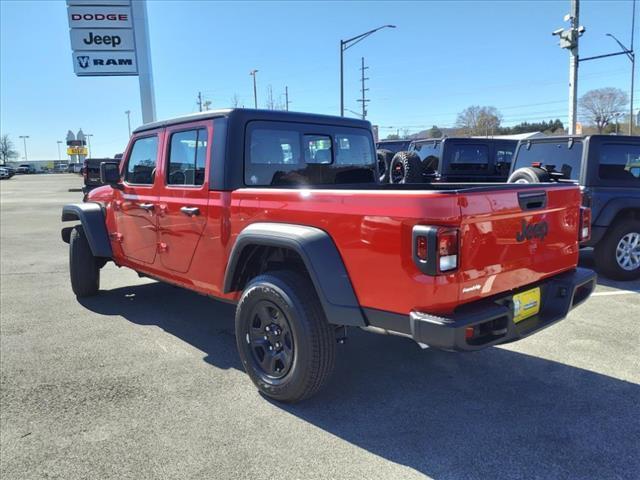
(110, 173)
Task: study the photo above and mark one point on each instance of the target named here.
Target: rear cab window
(429, 153)
(141, 165)
(298, 154)
(565, 157)
(467, 156)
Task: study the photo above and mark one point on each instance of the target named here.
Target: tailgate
(512, 238)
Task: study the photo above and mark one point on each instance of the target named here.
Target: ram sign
(102, 37)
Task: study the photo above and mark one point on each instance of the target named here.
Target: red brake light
(536, 164)
(584, 233)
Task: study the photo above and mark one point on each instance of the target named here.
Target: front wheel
(618, 254)
(84, 268)
(284, 340)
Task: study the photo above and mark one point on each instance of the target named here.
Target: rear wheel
(84, 268)
(284, 340)
(406, 167)
(617, 255)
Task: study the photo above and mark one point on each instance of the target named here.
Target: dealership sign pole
(111, 38)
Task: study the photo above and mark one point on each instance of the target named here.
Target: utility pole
(364, 100)
(128, 114)
(199, 101)
(569, 40)
(286, 98)
(255, 89)
(24, 139)
(59, 157)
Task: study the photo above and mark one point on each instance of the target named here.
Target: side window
(317, 149)
(353, 150)
(619, 162)
(187, 158)
(141, 166)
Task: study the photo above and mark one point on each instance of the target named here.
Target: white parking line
(617, 292)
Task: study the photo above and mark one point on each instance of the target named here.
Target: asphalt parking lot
(144, 381)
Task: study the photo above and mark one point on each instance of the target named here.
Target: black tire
(384, 164)
(306, 353)
(529, 175)
(83, 266)
(605, 252)
(406, 167)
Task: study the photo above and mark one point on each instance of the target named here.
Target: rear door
(183, 194)
(516, 237)
(136, 205)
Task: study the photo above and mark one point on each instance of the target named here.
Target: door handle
(190, 211)
(147, 206)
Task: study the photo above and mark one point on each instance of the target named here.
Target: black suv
(454, 160)
(608, 169)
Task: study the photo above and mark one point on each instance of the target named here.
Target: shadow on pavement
(586, 260)
(491, 414)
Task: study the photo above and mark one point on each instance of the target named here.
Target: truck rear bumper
(485, 323)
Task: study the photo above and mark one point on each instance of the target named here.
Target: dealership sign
(102, 37)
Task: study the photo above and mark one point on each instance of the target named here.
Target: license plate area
(526, 304)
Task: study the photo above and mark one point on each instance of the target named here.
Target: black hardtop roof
(566, 138)
(471, 139)
(248, 114)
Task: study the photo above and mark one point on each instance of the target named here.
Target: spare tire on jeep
(384, 164)
(529, 175)
(406, 167)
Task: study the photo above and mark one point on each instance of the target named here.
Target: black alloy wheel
(270, 340)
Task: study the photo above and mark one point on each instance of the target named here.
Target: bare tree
(477, 120)
(601, 105)
(6, 149)
(235, 101)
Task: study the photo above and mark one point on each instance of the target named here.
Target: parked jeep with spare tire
(282, 214)
(453, 160)
(607, 167)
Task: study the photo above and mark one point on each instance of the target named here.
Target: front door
(136, 205)
(182, 213)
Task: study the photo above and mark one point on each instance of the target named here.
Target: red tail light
(584, 233)
(435, 249)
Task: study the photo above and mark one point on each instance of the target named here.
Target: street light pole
(128, 113)
(255, 89)
(59, 157)
(345, 44)
(24, 139)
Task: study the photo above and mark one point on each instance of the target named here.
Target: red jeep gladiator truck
(283, 214)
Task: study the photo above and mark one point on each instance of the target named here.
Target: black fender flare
(321, 259)
(611, 209)
(93, 223)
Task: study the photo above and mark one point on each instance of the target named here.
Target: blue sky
(441, 58)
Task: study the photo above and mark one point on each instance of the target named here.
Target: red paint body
(371, 229)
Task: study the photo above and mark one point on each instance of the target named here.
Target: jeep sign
(102, 39)
(104, 63)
